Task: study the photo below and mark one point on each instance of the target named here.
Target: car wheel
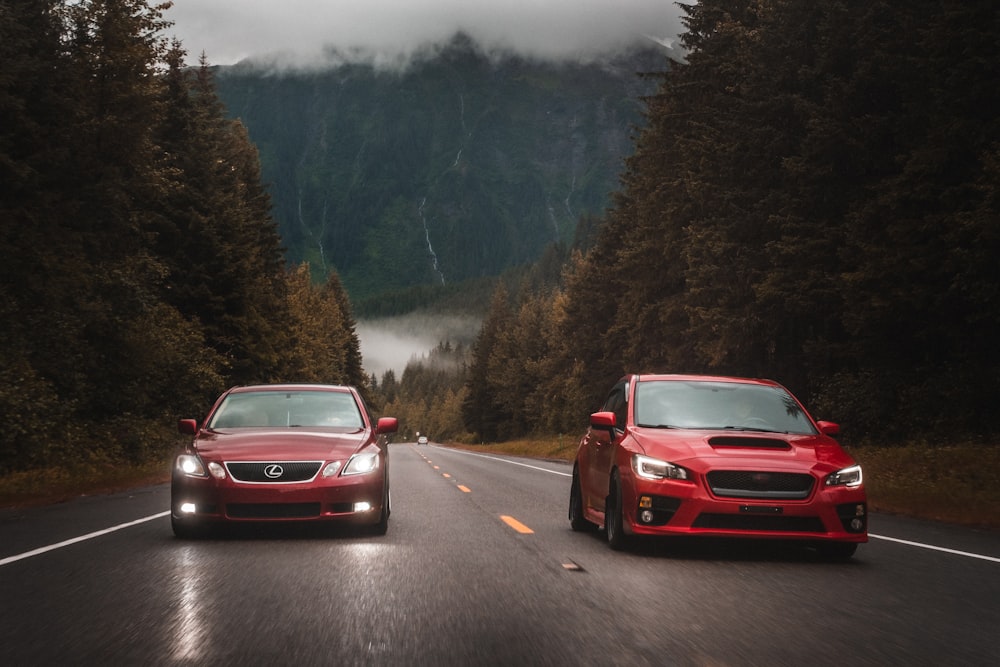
(382, 527)
(576, 518)
(186, 531)
(837, 551)
(614, 521)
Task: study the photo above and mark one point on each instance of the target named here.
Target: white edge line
(934, 548)
(513, 463)
(878, 537)
(66, 543)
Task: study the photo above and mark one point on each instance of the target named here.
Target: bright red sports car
(290, 452)
(715, 456)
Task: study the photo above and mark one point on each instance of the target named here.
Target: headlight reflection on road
(189, 626)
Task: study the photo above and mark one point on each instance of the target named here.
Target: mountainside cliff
(459, 166)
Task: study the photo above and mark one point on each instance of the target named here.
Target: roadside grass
(59, 484)
(955, 483)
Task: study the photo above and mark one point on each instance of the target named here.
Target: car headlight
(847, 477)
(362, 463)
(650, 468)
(191, 465)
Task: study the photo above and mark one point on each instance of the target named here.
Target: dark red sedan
(290, 452)
(716, 456)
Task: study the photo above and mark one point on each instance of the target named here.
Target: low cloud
(391, 343)
(305, 32)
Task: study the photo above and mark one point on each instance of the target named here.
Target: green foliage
(428, 398)
(458, 167)
(145, 271)
(813, 199)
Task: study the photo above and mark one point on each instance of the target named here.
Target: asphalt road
(479, 568)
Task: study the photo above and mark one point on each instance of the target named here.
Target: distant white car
(422, 440)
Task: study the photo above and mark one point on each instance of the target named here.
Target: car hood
(302, 444)
(700, 450)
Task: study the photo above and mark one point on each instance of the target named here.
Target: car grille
(273, 472)
(272, 510)
(760, 522)
(760, 484)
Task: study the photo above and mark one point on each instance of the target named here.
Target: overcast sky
(228, 31)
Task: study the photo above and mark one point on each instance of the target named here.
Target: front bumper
(669, 507)
(356, 500)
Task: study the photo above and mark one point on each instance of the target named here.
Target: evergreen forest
(142, 271)
(812, 197)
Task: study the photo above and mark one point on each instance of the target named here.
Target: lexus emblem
(274, 471)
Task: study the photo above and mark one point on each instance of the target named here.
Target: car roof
(654, 377)
(291, 387)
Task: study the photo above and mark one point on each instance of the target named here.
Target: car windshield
(718, 405)
(287, 408)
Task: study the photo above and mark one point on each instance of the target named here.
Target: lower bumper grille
(788, 524)
(273, 510)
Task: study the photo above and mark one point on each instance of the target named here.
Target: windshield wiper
(657, 426)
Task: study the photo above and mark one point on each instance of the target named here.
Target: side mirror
(387, 425)
(188, 426)
(828, 428)
(603, 420)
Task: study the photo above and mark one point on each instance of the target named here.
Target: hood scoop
(746, 442)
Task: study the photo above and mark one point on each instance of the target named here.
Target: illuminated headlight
(649, 468)
(847, 477)
(361, 463)
(191, 465)
(331, 468)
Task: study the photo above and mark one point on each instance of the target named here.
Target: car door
(601, 448)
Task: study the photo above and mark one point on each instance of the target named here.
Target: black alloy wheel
(614, 521)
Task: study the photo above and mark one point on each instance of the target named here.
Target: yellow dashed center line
(446, 475)
(464, 489)
(516, 525)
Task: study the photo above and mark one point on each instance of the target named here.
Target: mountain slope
(460, 166)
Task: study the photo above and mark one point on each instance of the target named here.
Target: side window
(618, 404)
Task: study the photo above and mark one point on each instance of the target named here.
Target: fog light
(188, 508)
(646, 516)
(362, 506)
(857, 525)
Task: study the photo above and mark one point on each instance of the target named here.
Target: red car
(291, 452)
(719, 457)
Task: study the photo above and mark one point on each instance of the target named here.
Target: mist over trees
(813, 199)
(142, 272)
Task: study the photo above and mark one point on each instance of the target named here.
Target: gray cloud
(302, 31)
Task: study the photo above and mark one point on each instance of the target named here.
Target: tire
(382, 527)
(576, 517)
(614, 521)
(186, 531)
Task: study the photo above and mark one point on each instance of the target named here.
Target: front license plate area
(761, 509)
